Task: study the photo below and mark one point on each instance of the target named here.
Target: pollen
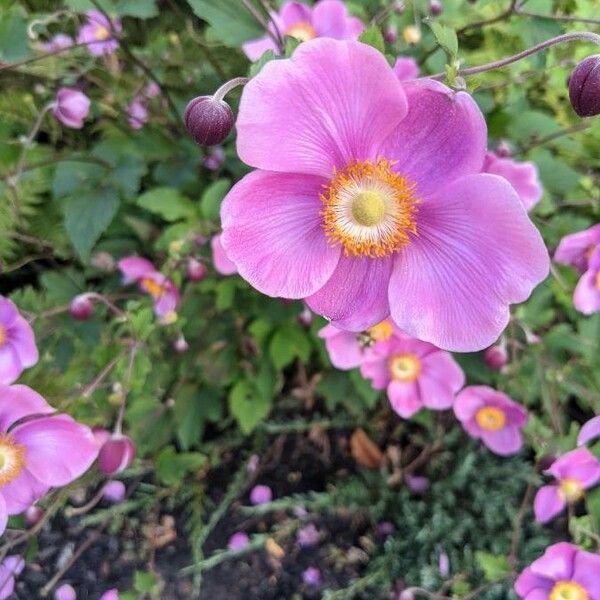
(568, 590)
(490, 418)
(12, 459)
(154, 289)
(369, 209)
(571, 490)
(302, 31)
(381, 332)
(3, 336)
(102, 33)
(405, 367)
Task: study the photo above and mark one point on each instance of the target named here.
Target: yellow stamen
(381, 332)
(568, 590)
(369, 209)
(490, 418)
(12, 459)
(3, 336)
(302, 31)
(404, 367)
(571, 490)
(154, 289)
(102, 33)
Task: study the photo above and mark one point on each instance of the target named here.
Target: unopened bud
(33, 515)
(65, 592)
(82, 307)
(584, 87)
(116, 454)
(436, 8)
(114, 491)
(496, 357)
(208, 121)
(503, 150)
(196, 270)
(180, 345)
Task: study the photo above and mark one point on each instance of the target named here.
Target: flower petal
(406, 68)
(221, 261)
(342, 346)
(294, 12)
(405, 398)
(574, 248)
(475, 252)
(329, 19)
(256, 48)
(590, 431)
(21, 493)
(586, 297)
(19, 401)
(309, 113)
(587, 573)
(547, 503)
(529, 581)
(8, 312)
(557, 562)
(505, 441)
(440, 380)
(134, 268)
(468, 402)
(23, 340)
(10, 365)
(3, 515)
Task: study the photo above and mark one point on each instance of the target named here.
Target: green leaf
(193, 408)
(71, 176)
(493, 566)
(144, 583)
(14, 44)
(446, 38)
(267, 56)
(171, 467)
(372, 36)
(142, 9)
(248, 406)
(87, 216)
(210, 202)
(168, 203)
(288, 342)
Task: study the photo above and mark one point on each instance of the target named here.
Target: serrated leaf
(172, 467)
(168, 203)
(287, 343)
(493, 566)
(71, 176)
(372, 36)
(248, 406)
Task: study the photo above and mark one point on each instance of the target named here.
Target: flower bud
(110, 595)
(496, 357)
(237, 541)
(390, 34)
(312, 576)
(196, 270)
(308, 536)
(180, 345)
(103, 261)
(65, 592)
(82, 307)
(503, 150)
(114, 491)
(261, 494)
(435, 8)
(208, 121)
(215, 158)
(584, 87)
(71, 107)
(116, 454)
(33, 515)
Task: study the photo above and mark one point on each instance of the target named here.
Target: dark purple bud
(496, 357)
(435, 7)
(503, 150)
(196, 271)
(116, 454)
(82, 307)
(584, 87)
(33, 515)
(390, 34)
(208, 121)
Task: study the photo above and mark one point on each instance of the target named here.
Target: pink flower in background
(416, 374)
(137, 112)
(116, 454)
(576, 249)
(17, 342)
(221, 262)
(590, 431)
(114, 491)
(11, 567)
(563, 572)
(493, 417)
(261, 494)
(38, 454)
(406, 68)
(65, 592)
(308, 536)
(99, 33)
(238, 541)
(59, 42)
(327, 18)
(575, 472)
(161, 289)
(347, 350)
(71, 107)
(523, 176)
(586, 297)
(110, 595)
(363, 222)
(152, 90)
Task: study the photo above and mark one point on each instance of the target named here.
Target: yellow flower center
(302, 31)
(3, 336)
(369, 209)
(381, 332)
(568, 590)
(571, 490)
(12, 459)
(152, 287)
(170, 318)
(411, 35)
(404, 367)
(490, 418)
(102, 33)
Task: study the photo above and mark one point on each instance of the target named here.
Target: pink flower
(37, 454)
(347, 350)
(406, 68)
(65, 592)
(116, 454)
(576, 249)
(17, 342)
(328, 18)
(114, 491)
(59, 42)
(394, 218)
(238, 541)
(138, 113)
(575, 472)
(110, 595)
(261, 494)
(493, 417)
(416, 374)
(221, 262)
(563, 572)
(590, 431)
(523, 176)
(98, 33)
(161, 289)
(71, 107)
(586, 297)
(11, 567)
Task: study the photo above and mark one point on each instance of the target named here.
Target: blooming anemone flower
(587, 292)
(137, 113)
(10, 567)
(71, 107)
(406, 68)
(590, 431)
(98, 33)
(523, 176)
(39, 453)
(563, 572)
(221, 261)
(576, 249)
(17, 342)
(491, 416)
(368, 200)
(60, 41)
(575, 472)
(161, 289)
(347, 349)
(416, 374)
(328, 18)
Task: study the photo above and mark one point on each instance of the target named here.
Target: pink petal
(404, 398)
(556, 563)
(573, 248)
(292, 13)
(3, 515)
(10, 365)
(221, 261)
(8, 312)
(376, 369)
(440, 380)
(538, 594)
(19, 401)
(547, 503)
(332, 103)
(475, 252)
(329, 19)
(354, 27)
(59, 450)
(579, 464)
(587, 295)
(587, 573)
(590, 431)
(256, 48)
(468, 402)
(342, 346)
(529, 581)
(135, 268)
(272, 232)
(443, 136)
(22, 492)
(355, 297)
(406, 68)
(23, 341)
(505, 441)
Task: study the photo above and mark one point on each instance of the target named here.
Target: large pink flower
(368, 200)
(576, 249)
(563, 572)
(575, 472)
(37, 451)
(491, 416)
(416, 374)
(328, 18)
(586, 297)
(17, 342)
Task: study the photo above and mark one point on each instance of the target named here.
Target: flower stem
(228, 86)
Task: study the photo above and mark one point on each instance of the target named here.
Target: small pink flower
(42, 452)
(586, 297)
(116, 454)
(328, 18)
(406, 68)
(71, 107)
(65, 592)
(110, 595)
(563, 572)
(261, 494)
(221, 262)
(98, 33)
(416, 374)
(238, 541)
(523, 176)
(590, 431)
(82, 307)
(114, 491)
(575, 472)
(308, 536)
(152, 90)
(493, 417)
(576, 249)
(11, 567)
(137, 112)
(17, 343)
(161, 289)
(59, 42)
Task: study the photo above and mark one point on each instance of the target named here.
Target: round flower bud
(180, 345)
(238, 541)
(312, 576)
(82, 307)
(71, 107)
(584, 87)
(33, 515)
(65, 592)
(116, 454)
(496, 357)
(196, 271)
(436, 8)
(208, 121)
(114, 491)
(261, 494)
